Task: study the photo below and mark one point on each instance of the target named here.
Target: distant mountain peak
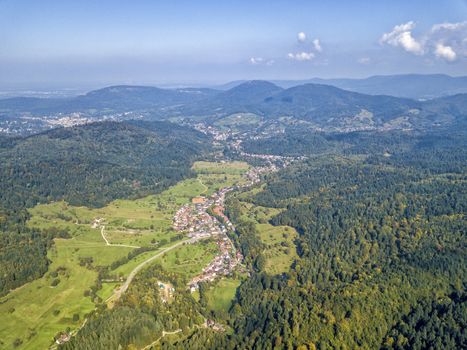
(257, 84)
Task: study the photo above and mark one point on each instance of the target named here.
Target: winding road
(119, 291)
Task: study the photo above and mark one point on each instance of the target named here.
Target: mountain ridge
(324, 105)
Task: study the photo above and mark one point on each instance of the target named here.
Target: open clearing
(221, 295)
(280, 251)
(216, 175)
(37, 311)
(189, 260)
(235, 168)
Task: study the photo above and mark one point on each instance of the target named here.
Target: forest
(381, 262)
(96, 163)
(378, 236)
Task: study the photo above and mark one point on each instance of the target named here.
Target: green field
(189, 260)
(280, 250)
(234, 168)
(37, 311)
(216, 175)
(221, 295)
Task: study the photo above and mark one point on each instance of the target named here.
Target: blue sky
(92, 43)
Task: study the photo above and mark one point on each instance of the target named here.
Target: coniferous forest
(381, 257)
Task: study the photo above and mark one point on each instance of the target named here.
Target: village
(204, 217)
(196, 221)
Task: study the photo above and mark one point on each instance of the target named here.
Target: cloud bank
(260, 60)
(256, 60)
(447, 41)
(446, 52)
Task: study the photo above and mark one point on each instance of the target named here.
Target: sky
(89, 43)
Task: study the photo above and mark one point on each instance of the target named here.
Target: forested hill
(382, 249)
(325, 107)
(95, 163)
(84, 165)
(117, 98)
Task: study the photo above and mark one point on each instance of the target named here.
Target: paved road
(118, 292)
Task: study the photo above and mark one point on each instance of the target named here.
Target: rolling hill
(95, 163)
(325, 106)
(114, 98)
(416, 86)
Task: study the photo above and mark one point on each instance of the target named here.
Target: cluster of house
(216, 134)
(195, 220)
(254, 174)
(69, 120)
(97, 222)
(223, 264)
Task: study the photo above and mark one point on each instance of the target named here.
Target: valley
(112, 244)
(207, 230)
(144, 224)
(233, 175)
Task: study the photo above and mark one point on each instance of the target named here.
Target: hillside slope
(95, 163)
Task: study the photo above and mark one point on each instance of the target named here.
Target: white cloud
(445, 52)
(256, 60)
(364, 60)
(448, 40)
(401, 35)
(260, 60)
(301, 56)
(301, 37)
(445, 41)
(317, 45)
(448, 26)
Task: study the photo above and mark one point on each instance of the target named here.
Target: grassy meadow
(280, 250)
(220, 296)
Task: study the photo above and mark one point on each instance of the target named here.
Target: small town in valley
(205, 218)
